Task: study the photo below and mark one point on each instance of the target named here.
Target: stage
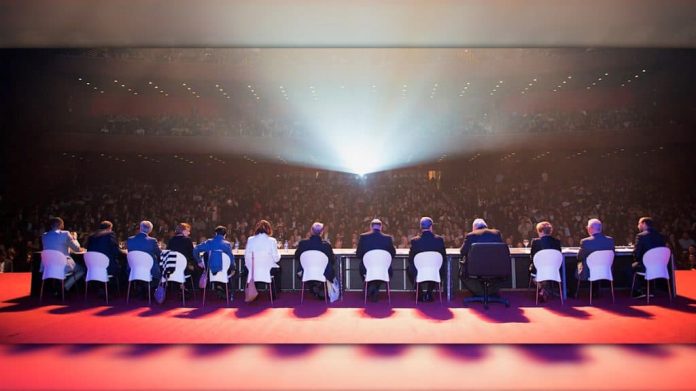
(628, 321)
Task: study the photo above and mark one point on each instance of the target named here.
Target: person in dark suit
(143, 242)
(182, 243)
(544, 242)
(314, 242)
(480, 234)
(427, 241)
(374, 240)
(104, 241)
(647, 239)
(597, 241)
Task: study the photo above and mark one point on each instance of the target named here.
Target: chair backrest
(53, 263)
(140, 264)
(655, 261)
(599, 263)
(181, 263)
(313, 265)
(489, 260)
(221, 276)
(428, 264)
(96, 263)
(377, 264)
(547, 263)
(263, 263)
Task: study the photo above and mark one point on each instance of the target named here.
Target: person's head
(594, 226)
(479, 224)
(317, 229)
(645, 223)
(146, 227)
(544, 228)
(56, 223)
(183, 229)
(376, 224)
(106, 225)
(426, 224)
(221, 230)
(263, 227)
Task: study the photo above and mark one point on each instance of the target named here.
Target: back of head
(544, 228)
(376, 224)
(181, 227)
(317, 228)
(479, 224)
(648, 221)
(106, 225)
(56, 223)
(594, 226)
(426, 223)
(146, 227)
(263, 227)
(220, 230)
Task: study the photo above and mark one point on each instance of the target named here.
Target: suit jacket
(375, 240)
(590, 244)
(428, 241)
(183, 245)
(144, 243)
(105, 242)
(314, 242)
(543, 243)
(645, 241)
(216, 246)
(483, 235)
(60, 241)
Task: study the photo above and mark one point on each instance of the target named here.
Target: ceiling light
(183, 84)
(500, 81)
(643, 70)
(570, 77)
(149, 82)
(636, 76)
(123, 85)
(534, 80)
(87, 83)
(606, 74)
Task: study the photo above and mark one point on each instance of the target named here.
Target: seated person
(597, 241)
(427, 241)
(57, 239)
(374, 240)
(480, 234)
(544, 242)
(647, 239)
(263, 242)
(181, 242)
(104, 241)
(143, 242)
(314, 242)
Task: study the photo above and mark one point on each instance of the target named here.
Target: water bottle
(285, 245)
(236, 245)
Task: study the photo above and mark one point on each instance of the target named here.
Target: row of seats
(488, 261)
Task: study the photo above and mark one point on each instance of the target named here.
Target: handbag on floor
(334, 292)
(203, 281)
(161, 292)
(250, 291)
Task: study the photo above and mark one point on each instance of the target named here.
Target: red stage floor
(628, 321)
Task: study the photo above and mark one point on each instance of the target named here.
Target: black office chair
(488, 262)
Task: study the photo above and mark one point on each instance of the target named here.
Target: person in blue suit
(427, 241)
(597, 241)
(215, 247)
(374, 240)
(143, 242)
(314, 242)
(58, 239)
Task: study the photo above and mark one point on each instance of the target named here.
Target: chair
(220, 277)
(599, 264)
(53, 263)
(428, 265)
(488, 262)
(97, 263)
(313, 265)
(655, 261)
(263, 263)
(548, 263)
(377, 264)
(179, 276)
(140, 264)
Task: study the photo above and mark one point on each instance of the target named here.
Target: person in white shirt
(262, 244)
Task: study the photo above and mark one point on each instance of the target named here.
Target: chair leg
(560, 292)
(611, 284)
(529, 285)
(86, 285)
(439, 288)
(648, 295)
(365, 302)
(417, 293)
(227, 293)
(149, 297)
(577, 289)
(205, 288)
(633, 283)
(41, 293)
(62, 290)
(590, 292)
(106, 291)
(536, 295)
(128, 293)
(326, 292)
(669, 289)
(270, 290)
(183, 295)
(389, 292)
(302, 294)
